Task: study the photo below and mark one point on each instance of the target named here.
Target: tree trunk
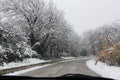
(32, 39)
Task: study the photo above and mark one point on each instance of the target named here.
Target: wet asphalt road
(75, 66)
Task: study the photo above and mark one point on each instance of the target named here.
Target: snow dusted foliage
(101, 38)
(12, 44)
(19, 53)
(26, 49)
(38, 25)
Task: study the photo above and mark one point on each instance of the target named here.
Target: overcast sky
(89, 14)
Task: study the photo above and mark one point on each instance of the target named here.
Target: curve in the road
(61, 68)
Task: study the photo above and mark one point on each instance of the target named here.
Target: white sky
(89, 14)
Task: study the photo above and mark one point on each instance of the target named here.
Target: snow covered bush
(13, 45)
(12, 55)
(7, 55)
(25, 50)
(17, 52)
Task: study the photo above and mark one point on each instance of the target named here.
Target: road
(76, 66)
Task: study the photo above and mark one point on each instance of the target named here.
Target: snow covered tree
(39, 24)
(26, 13)
(101, 38)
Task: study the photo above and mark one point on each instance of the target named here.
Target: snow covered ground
(27, 70)
(81, 57)
(23, 63)
(68, 57)
(104, 70)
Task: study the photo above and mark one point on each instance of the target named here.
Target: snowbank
(0, 47)
(68, 57)
(27, 70)
(23, 63)
(80, 57)
(104, 70)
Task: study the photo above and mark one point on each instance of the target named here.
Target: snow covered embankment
(104, 70)
(25, 62)
(27, 70)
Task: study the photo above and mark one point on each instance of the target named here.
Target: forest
(35, 29)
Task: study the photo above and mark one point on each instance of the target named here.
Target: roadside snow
(68, 57)
(104, 70)
(23, 63)
(80, 57)
(27, 70)
(0, 47)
